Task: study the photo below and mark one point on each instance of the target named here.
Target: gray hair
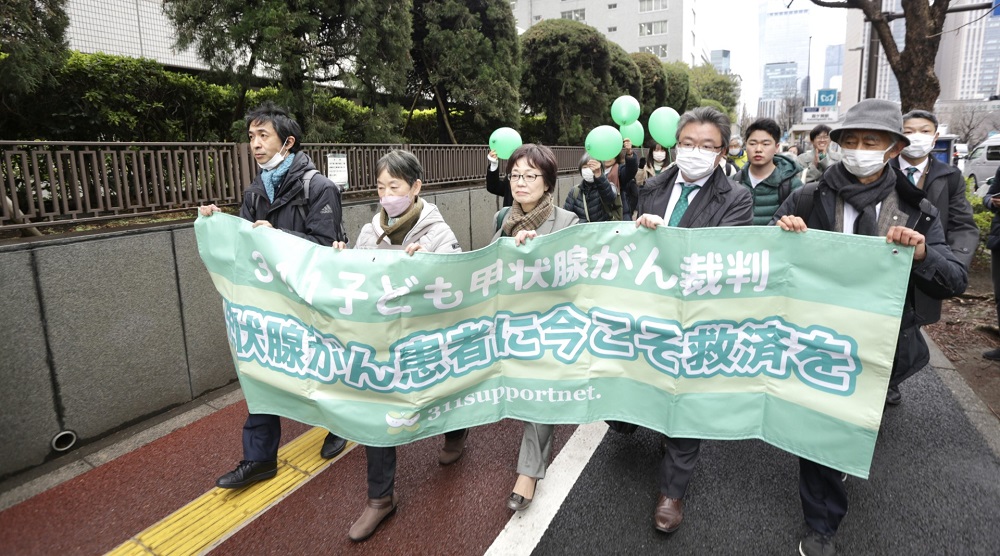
(401, 165)
(706, 115)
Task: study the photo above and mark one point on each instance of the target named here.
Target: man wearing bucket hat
(863, 194)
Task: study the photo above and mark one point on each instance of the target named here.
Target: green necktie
(682, 203)
(909, 174)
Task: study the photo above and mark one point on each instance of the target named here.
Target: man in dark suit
(695, 193)
(943, 186)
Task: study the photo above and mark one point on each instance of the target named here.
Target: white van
(983, 161)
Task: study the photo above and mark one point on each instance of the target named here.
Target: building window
(612, 6)
(652, 5)
(658, 50)
(574, 15)
(612, 29)
(653, 28)
(538, 18)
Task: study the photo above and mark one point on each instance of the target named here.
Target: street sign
(819, 114)
(826, 97)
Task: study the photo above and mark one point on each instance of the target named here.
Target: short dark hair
(537, 156)
(279, 118)
(402, 165)
(766, 125)
(923, 114)
(820, 129)
(584, 160)
(706, 115)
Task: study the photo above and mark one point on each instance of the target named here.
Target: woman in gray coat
(532, 170)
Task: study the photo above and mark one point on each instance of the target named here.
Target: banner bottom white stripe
(526, 528)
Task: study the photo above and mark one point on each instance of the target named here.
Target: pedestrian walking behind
(769, 178)
(992, 202)
(695, 193)
(405, 221)
(532, 169)
(620, 171)
(495, 183)
(289, 195)
(736, 157)
(657, 159)
(593, 199)
(864, 195)
(944, 187)
(820, 157)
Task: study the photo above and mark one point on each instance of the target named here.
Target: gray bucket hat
(873, 113)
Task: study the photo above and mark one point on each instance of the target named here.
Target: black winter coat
(596, 195)
(323, 213)
(499, 186)
(939, 275)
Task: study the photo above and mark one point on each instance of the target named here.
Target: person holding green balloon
(503, 142)
(694, 193)
(593, 199)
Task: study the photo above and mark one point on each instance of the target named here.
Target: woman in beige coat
(405, 221)
(532, 170)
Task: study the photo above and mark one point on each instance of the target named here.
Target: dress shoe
(517, 502)
(453, 449)
(992, 355)
(892, 396)
(376, 510)
(332, 445)
(669, 514)
(248, 472)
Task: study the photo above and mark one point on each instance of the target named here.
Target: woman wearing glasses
(532, 171)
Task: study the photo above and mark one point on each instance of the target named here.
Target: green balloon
(663, 126)
(603, 142)
(634, 132)
(625, 110)
(505, 141)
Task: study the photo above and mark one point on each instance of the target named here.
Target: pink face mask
(395, 205)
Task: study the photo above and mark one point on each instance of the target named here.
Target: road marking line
(526, 528)
(210, 519)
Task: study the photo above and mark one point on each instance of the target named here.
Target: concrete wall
(100, 331)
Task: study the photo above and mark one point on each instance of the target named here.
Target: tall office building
(134, 28)
(666, 28)
(784, 55)
(834, 66)
(720, 59)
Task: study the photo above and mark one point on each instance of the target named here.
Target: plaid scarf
(517, 220)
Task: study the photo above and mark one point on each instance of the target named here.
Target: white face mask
(735, 152)
(695, 164)
(588, 175)
(863, 163)
(920, 145)
(660, 156)
(277, 159)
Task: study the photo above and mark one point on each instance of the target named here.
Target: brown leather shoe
(669, 514)
(376, 510)
(453, 449)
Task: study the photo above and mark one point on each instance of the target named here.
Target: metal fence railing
(46, 183)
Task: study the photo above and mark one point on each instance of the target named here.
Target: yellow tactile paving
(212, 517)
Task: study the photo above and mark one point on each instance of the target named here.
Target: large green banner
(724, 333)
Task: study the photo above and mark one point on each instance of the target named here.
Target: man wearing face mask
(277, 199)
(944, 186)
(695, 193)
(864, 195)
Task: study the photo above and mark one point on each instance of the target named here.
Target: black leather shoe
(517, 502)
(332, 445)
(248, 472)
(892, 396)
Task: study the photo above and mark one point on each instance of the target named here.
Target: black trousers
(995, 274)
(678, 466)
(261, 435)
(382, 467)
(824, 496)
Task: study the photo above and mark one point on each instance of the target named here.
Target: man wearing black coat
(862, 194)
(276, 199)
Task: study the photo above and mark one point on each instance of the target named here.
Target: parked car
(983, 161)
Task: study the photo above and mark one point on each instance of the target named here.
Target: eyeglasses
(528, 178)
(703, 149)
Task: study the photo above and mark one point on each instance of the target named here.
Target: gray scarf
(860, 196)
